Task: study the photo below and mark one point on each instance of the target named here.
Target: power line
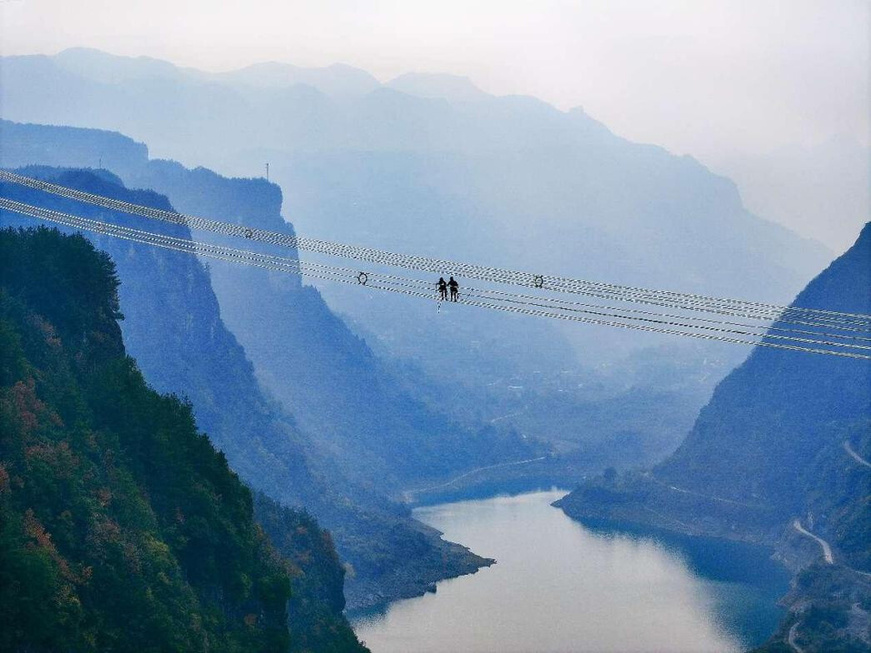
(414, 287)
(613, 292)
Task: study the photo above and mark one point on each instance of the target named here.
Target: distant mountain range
(430, 164)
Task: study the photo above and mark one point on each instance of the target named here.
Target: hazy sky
(719, 79)
(693, 75)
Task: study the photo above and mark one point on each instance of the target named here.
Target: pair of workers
(445, 286)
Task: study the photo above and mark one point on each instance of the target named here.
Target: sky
(735, 83)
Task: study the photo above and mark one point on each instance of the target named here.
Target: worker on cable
(443, 289)
(455, 289)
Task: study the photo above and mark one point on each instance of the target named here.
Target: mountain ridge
(768, 461)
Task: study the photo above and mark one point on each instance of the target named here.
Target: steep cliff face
(770, 419)
(308, 359)
(175, 330)
(772, 442)
(782, 449)
(121, 528)
(317, 623)
(305, 357)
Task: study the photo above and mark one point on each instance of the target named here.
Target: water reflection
(560, 586)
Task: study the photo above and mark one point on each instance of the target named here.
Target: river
(560, 586)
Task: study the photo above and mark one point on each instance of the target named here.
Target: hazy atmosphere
(469, 327)
(774, 94)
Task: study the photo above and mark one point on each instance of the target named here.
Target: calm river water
(560, 586)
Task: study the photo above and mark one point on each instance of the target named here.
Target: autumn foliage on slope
(121, 528)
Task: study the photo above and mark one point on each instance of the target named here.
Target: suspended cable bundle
(601, 290)
(847, 345)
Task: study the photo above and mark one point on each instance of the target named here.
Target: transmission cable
(407, 286)
(684, 301)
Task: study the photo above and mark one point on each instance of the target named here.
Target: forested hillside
(317, 623)
(121, 528)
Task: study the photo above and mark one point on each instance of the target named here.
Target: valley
(261, 444)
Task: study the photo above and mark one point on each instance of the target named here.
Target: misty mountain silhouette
(507, 181)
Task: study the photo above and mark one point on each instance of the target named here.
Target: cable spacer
(362, 278)
(248, 233)
(538, 281)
